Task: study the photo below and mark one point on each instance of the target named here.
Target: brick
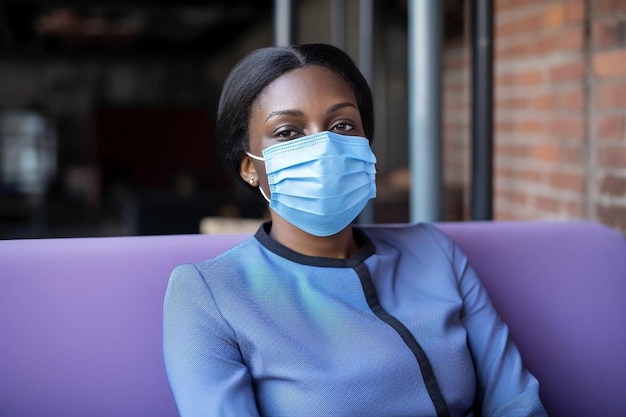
(611, 126)
(503, 215)
(511, 150)
(570, 128)
(558, 207)
(547, 44)
(503, 126)
(568, 71)
(512, 103)
(554, 15)
(610, 63)
(610, 95)
(572, 155)
(454, 90)
(531, 175)
(454, 124)
(455, 87)
(613, 216)
(609, 7)
(575, 209)
(530, 78)
(527, 174)
(550, 204)
(567, 181)
(518, 50)
(515, 26)
(503, 6)
(524, 78)
(544, 105)
(504, 171)
(545, 153)
(604, 33)
(503, 79)
(572, 39)
(571, 209)
(546, 102)
(454, 103)
(530, 126)
(574, 11)
(613, 185)
(572, 100)
(611, 157)
(515, 197)
(452, 96)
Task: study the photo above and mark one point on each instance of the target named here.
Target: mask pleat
(320, 183)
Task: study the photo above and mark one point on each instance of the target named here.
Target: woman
(314, 316)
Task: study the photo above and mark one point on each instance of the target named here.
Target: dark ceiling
(133, 28)
(145, 28)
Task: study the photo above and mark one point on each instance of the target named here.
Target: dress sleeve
(203, 363)
(505, 387)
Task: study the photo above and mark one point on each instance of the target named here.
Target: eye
(286, 133)
(343, 127)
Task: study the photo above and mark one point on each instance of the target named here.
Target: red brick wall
(456, 98)
(608, 110)
(559, 111)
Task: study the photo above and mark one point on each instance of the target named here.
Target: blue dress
(403, 328)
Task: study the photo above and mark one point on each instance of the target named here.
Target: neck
(341, 245)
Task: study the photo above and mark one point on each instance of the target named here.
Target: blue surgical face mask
(320, 183)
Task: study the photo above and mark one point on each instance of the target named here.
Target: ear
(248, 172)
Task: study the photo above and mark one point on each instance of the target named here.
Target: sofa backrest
(81, 318)
(561, 287)
(81, 323)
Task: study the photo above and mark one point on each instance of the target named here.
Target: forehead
(304, 88)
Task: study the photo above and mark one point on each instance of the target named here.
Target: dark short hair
(258, 69)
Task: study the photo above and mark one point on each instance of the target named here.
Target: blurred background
(107, 109)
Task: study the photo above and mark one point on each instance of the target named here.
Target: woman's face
(299, 103)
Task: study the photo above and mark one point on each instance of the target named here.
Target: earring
(251, 180)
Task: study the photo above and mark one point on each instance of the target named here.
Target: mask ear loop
(263, 194)
(258, 158)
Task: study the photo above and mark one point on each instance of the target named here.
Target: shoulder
(226, 264)
(414, 234)
(421, 242)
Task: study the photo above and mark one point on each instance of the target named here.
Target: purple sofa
(80, 318)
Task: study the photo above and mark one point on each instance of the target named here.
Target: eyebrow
(298, 113)
(339, 106)
(295, 113)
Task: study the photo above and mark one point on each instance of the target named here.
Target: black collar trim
(366, 249)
